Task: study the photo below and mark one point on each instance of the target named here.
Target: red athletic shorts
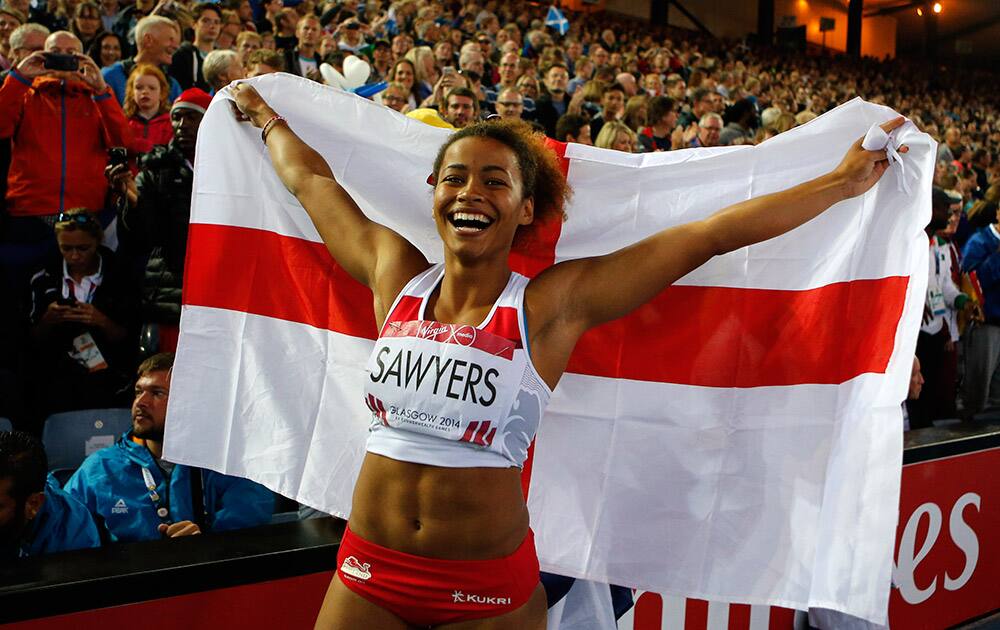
(427, 591)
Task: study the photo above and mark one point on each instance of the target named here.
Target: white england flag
(737, 439)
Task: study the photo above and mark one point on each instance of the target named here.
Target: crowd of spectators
(100, 108)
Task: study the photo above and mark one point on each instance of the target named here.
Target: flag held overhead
(736, 439)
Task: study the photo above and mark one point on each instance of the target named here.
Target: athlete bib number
(451, 381)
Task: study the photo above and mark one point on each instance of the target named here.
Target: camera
(56, 61)
(117, 156)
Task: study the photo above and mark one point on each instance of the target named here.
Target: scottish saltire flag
(736, 439)
(557, 20)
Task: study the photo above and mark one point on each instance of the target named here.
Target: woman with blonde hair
(425, 69)
(784, 122)
(635, 112)
(618, 136)
(527, 85)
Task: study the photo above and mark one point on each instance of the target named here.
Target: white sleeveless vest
(454, 395)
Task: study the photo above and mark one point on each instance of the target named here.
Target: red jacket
(146, 133)
(60, 135)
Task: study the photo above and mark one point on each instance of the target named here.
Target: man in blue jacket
(138, 495)
(981, 254)
(36, 517)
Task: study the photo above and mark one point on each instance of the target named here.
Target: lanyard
(162, 511)
(71, 287)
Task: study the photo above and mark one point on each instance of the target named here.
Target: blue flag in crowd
(557, 20)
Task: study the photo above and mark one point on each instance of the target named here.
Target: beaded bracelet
(267, 127)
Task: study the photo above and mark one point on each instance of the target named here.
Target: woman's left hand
(250, 105)
(861, 169)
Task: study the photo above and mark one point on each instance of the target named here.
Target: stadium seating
(71, 436)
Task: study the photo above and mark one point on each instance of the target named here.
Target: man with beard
(153, 220)
(36, 517)
(462, 107)
(138, 495)
(553, 104)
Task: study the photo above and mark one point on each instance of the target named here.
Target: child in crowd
(147, 109)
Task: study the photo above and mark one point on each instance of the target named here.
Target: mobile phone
(56, 61)
(448, 70)
(66, 301)
(117, 156)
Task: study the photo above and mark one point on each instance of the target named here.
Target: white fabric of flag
(783, 493)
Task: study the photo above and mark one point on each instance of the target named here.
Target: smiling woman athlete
(469, 353)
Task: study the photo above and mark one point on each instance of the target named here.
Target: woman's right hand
(251, 104)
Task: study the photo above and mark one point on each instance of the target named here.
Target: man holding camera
(62, 118)
(153, 220)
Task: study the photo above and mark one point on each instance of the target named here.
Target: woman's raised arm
(371, 253)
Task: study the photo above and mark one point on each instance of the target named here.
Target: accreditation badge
(935, 300)
(86, 353)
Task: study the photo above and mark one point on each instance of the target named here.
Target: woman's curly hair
(541, 176)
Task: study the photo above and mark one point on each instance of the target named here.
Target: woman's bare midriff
(445, 513)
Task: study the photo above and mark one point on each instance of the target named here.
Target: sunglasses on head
(81, 219)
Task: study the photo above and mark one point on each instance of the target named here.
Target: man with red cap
(153, 220)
